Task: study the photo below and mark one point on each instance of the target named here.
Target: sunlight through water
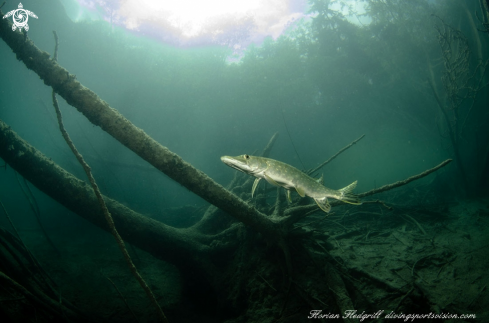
(232, 23)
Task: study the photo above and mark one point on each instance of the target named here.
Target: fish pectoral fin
(255, 185)
(300, 191)
(288, 196)
(270, 180)
(323, 204)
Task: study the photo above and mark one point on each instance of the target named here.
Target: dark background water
(331, 81)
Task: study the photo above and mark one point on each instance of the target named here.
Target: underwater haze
(409, 75)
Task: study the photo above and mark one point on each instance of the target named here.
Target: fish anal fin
(323, 204)
(288, 196)
(300, 191)
(255, 185)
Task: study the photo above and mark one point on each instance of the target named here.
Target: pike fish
(289, 177)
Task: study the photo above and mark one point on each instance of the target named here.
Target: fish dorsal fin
(270, 180)
(255, 185)
(323, 204)
(300, 191)
(320, 179)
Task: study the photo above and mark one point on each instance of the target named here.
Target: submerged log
(110, 120)
(179, 246)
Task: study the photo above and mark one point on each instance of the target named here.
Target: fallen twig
(267, 282)
(122, 296)
(404, 182)
(415, 222)
(42, 301)
(379, 202)
(414, 265)
(403, 298)
(333, 157)
(35, 209)
(268, 148)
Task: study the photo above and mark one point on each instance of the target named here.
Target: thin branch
(403, 298)
(122, 296)
(55, 56)
(103, 206)
(41, 300)
(334, 156)
(268, 148)
(267, 282)
(35, 209)
(13, 226)
(380, 202)
(415, 222)
(404, 182)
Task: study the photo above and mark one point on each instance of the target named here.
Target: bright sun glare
(216, 21)
(191, 17)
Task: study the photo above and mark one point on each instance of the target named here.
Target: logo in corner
(20, 17)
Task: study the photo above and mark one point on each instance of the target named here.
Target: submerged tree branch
(296, 213)
(334, 156)
(406, 181)
(110, 120)
(271, 142)
(179, 246)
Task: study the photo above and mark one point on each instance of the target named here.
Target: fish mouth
(235, 163)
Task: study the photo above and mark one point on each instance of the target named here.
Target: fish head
(251, 165)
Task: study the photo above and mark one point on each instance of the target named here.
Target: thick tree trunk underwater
(220, 247)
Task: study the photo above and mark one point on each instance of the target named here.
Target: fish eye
(247, 156)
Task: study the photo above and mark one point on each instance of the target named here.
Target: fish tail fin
(347, 196)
